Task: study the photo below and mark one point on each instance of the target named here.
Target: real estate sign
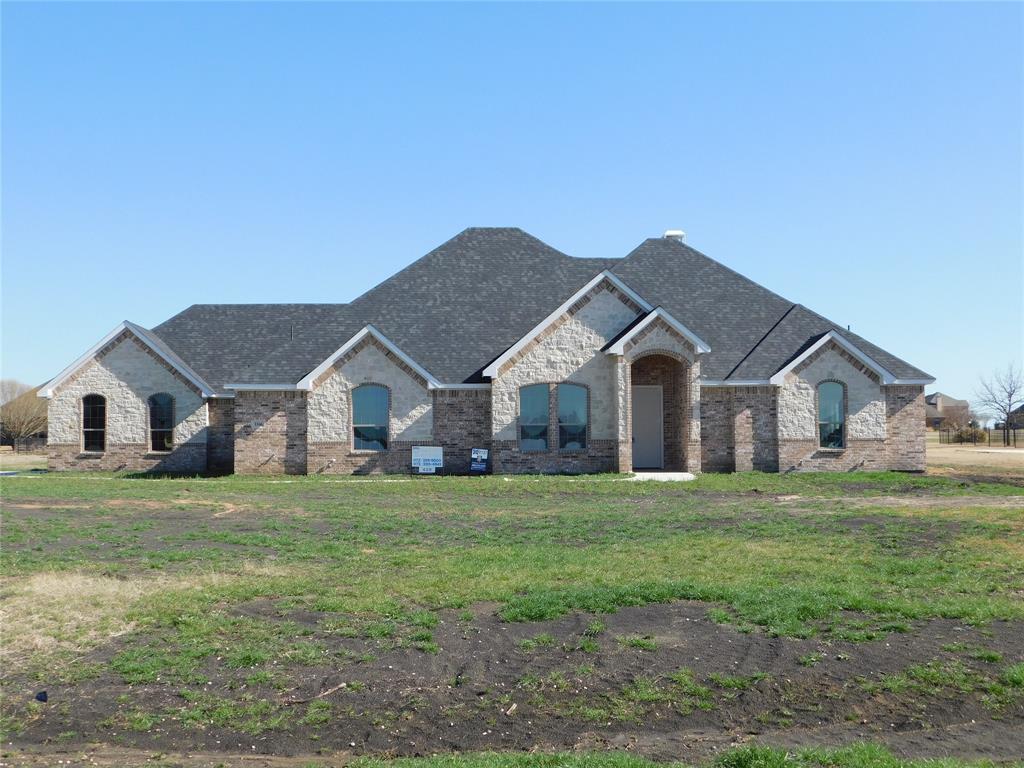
(427, 459)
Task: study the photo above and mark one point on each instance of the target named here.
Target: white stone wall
(571, 353)
(798, 417)
(659, 337)
(328, 404)
(127, 375)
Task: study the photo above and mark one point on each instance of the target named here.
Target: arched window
(572, 417)
(533, 418)
(831, 415)
(94, 423)
(370, 417)
(161, 422)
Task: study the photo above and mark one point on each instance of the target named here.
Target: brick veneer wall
(220, 437)
(739, 429)
(270, 433)
(462, 421)
(600, 456)
(187, 458)
(805, 456)
(905, 437)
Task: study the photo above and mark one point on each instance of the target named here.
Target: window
(533, 418)
(161, 422)
(831, 415)
(572, 417)
(370, 417)
(94, 423)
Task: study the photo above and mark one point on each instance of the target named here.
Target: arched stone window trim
(826, 438)
(368, 430)
(94, 423)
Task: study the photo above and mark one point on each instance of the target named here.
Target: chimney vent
(675, 234)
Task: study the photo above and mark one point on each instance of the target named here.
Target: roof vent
(675, 234)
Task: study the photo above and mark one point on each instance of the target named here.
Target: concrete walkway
(678, 477)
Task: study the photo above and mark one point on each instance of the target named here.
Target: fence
(993, 437)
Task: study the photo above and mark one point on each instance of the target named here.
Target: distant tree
(1001, 396)
(12, 388)
(22, 413)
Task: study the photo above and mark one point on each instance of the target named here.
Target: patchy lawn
(318, 619)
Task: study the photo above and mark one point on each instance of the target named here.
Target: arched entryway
(659, 394)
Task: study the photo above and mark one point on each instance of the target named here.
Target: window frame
(151, 430)
(818, 420)
(101, 430)
(586, 416)
(520, 424)
(355, 425)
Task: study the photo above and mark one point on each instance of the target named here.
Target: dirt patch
(663, 680)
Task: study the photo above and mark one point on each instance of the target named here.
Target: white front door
(647, 427)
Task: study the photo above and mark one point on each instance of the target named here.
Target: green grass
(379, 562)
(856, 756)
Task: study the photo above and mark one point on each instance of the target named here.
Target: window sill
(157, 454)
(366, 451)
(831, 450)
(91, 454)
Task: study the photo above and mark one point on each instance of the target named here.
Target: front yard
(314, 620)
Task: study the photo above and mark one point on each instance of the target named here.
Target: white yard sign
(427, 459)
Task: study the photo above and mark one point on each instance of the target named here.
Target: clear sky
(862, 159)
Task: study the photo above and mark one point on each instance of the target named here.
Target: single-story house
(663, 359)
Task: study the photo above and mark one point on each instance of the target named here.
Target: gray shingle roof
(467, 301)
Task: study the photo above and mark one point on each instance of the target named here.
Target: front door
(647, 427)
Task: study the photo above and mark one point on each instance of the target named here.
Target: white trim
(463, 386)
(698, 344)
(883, 373)
(306, 382)
(261, 387)
(734, 382)
(913, 382)
(142, 334)
(492, 369)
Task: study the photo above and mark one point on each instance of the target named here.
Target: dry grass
(10, 461)
(62, 614)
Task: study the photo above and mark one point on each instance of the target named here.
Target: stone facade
(126, 372)
(569, 350)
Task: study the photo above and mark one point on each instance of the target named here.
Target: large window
(94, 423)
(533, 418)
(370, 417)
(831, 415)
(161, 422)
(572, 417)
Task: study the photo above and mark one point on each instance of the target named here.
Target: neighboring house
(662, 359)
(940, 409)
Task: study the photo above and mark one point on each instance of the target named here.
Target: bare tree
(1001, 396)
(23, 413)
(12, 388)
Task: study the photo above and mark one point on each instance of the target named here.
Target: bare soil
(484, 691)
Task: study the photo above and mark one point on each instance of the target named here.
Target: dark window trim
(101, 430)
(151, 430)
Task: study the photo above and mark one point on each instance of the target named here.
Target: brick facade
(270, 433)
(187, 458)
(739, 429)
(220, 454)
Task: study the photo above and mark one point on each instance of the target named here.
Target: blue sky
(862, 159)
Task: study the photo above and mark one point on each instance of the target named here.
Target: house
(661, 359)
(940, 410)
